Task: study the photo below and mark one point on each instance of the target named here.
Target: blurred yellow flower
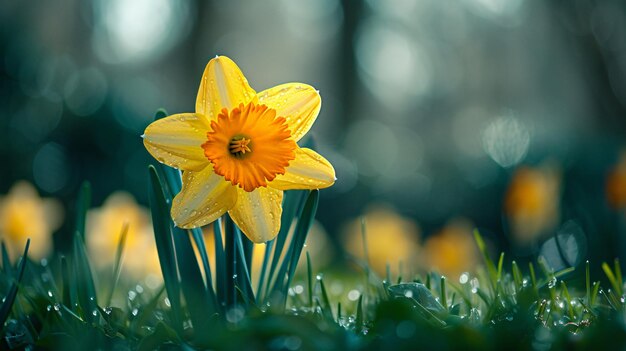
(23, 215)
(238, 151)
(531, 202)
(391, 239)
(452, 250)
(616, 184)
(104, 229)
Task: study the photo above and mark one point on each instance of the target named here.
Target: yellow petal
(177, 141)
(204, 198)
(223, 85)
(298, 103)
(308, 171)
(257, 213)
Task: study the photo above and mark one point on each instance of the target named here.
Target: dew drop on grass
(299, 289)
(50, 293)
(475, 284)
(552, 283)
(353, 295)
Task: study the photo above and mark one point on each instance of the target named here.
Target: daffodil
(532, 202)
(239, 151)
(23, 215)
(452, 250)
(616, 184)
(391, 239)
(104, 229)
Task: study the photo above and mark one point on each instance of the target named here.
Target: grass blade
(85, 286)
(491, 268)
(117, 269)
(5, 309)
(165, 247)
(82, 205)
(220, 263)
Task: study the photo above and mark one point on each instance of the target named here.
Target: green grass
(501, 305)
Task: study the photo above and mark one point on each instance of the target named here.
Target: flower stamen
(239, 147)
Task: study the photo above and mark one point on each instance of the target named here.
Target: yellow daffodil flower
(391, 239)
(532, 202)
(104, 229)
(452, 250)
(23, 215)
(238, 151)
(616, 184)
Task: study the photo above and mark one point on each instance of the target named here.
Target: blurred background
(439, 117)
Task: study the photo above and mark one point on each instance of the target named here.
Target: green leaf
(85, 287)
(9, 299)
(293, 202)
(359, 314)
(305, 221)
(117, 268)
(6, 261)
(243, 272)
(165, 246)
(220, 263)
(82, 206)
(491, 268)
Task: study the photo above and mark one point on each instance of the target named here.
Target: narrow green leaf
(309, 273)
(500, 263)
(594, 293)
(609, 274)
(568, 300)
(491, 268)
(444, 298)
(618, 277)
(305, 221)
(199, 240)
(588, 282)
(243, 272)
(9, 299)
(117, 268)
(85, 286)
(293, 201)
(359, 314)
(220, 263)
(70, 295)
(327, 309)
(230, 252)
(7, 267)
(165, 247)
(517, 276)
(533, 278)
(82, 206)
